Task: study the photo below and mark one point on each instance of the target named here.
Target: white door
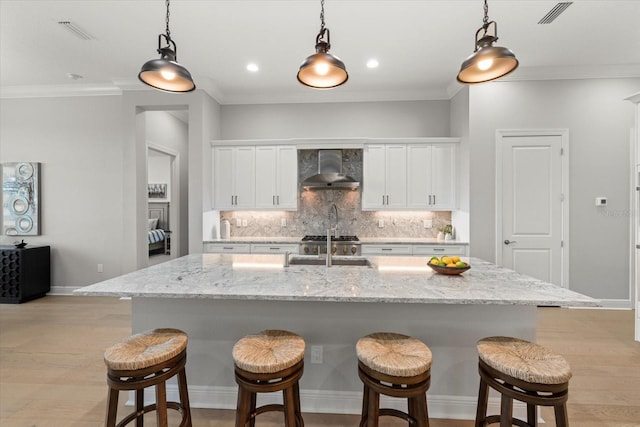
(530, 186)
(443, 176)
(419, 176)
(396, 176)
(223, 191)
(244, 177)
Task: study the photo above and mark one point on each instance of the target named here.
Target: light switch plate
(381, 223)
(601, 201)
(428, 223)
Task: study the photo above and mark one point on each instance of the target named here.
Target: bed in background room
(158, 227)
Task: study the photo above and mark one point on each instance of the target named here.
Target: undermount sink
(361, 262)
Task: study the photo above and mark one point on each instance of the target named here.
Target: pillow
(153, 223)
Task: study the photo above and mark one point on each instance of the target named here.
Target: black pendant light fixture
(323, 70)
(166, 74)
(487, 62)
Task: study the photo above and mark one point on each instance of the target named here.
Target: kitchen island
(217, 299)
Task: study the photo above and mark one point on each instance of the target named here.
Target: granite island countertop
(365, 240)
(387, 279)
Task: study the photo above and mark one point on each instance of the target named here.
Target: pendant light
(323, 70)
(487, 62)
(166, 74)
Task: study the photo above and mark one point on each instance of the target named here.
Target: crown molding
(55, 91)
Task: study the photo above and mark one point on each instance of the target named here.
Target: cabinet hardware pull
(383, 199)
(274, 249)
(278, 200)
(387, 249)
(434, 199)
(429, 198)
(438, 249)
(227, 248)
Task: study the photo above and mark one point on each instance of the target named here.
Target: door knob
(506, 242)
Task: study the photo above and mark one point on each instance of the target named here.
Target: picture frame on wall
(21, 199)
(157, 191)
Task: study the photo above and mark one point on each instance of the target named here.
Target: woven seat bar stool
(521, 370)
(394, 365)
(270, 361)
(144, 360)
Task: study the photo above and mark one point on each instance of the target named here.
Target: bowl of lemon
(448, 265)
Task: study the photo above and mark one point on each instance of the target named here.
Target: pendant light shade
(165, 73)
(488, 62)
(323, 70)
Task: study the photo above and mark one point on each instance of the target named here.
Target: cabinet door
(244, 178)
(374, 177)
(443, 176)
(223, 178)
(265, 177)
(287, 178)
(419, 176)
(396, 176)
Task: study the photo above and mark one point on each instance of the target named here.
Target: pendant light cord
(167, 20)
(485, 20)
(321, 16)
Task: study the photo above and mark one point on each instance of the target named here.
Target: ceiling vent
(555, 12)
(75, 30)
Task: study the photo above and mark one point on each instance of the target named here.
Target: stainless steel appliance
(341, 245)
(330, 174)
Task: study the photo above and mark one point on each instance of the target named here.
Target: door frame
(174, 202)
(564, 227)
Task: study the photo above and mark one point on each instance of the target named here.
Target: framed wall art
(21, 199)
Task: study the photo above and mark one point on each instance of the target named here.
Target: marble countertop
(365, 240)
(387, 279)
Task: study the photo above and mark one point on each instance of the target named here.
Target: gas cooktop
(319, 238)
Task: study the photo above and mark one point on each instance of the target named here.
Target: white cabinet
(276, 175)
(234, 178)
(221, 248)
(391, 249)
(274, 248)
(431, 250)
(431, 176)
(384, 176)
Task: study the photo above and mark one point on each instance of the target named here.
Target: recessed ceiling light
(253, 67)
(372, 63)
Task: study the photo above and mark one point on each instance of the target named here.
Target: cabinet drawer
(265, 248)
(220, 248)
(386, 250)
(439, 250)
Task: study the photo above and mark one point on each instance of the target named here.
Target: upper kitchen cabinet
(431, 176)
(234, 177)
(384, 177)
(276, 177)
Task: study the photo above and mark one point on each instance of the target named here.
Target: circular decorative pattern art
(24, 224)
(19, 205)
(24, 170)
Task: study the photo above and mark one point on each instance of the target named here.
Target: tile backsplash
(315, 213)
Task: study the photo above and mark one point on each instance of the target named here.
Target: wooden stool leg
(418, 410)
(243, 407)
(112, 408)
(483, 399)
(373, 410)
(289, 407)
(252, 408)
(365, 405)
(532, 415)
(140, 408)
(184, 397)
(561, 415)
(161, 405)
(506, 411)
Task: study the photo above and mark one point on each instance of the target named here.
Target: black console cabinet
(25, 274)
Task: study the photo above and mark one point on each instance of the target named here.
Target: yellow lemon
(451, 265)
(434, 261)
(445, 259)
(455, 258)
(461, 264)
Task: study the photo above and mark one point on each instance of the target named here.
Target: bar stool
(270, 361)
(144, 360)
(394, 365)
(524, 371)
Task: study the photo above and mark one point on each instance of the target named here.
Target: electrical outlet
(316, 354)
(428, 223)
(244, 222)
(100, 268)
(238, 222)
(283, 222)
(381, 223)
(601, 201)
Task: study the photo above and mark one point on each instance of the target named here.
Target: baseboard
(63, 290)
(611, 304)
(334, 402)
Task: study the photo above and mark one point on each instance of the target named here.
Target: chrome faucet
(333, 209)
(329, 251)
(286, 258)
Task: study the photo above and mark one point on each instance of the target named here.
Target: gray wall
(599, 122)
(459, 124)
(356, 119)
(94, 183)
(79, 143)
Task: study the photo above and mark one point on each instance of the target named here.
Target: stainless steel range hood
(330, 174)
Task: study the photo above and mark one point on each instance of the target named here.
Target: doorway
(532, 203)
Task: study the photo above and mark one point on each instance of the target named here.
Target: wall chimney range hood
(330, 174)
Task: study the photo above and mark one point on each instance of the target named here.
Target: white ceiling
(419, 44)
